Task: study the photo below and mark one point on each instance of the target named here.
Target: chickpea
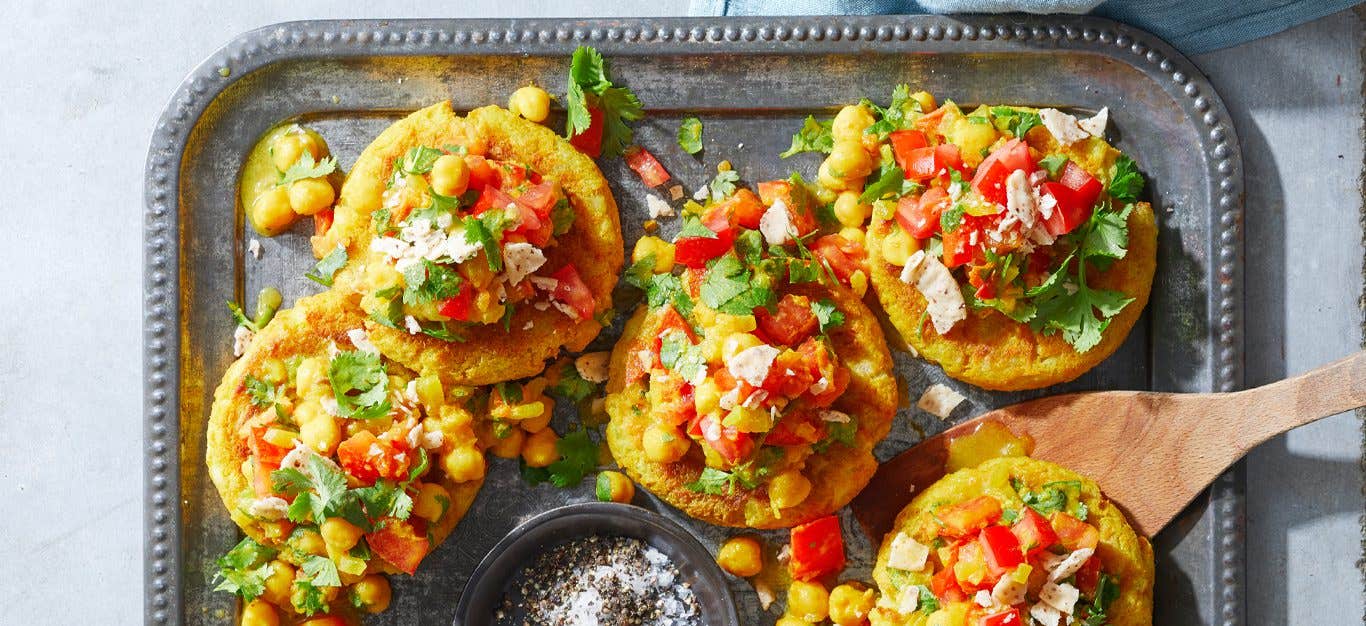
(541, 420)
(450, 175)
(850, 211)
(663, 252)
(431, 502)
(828, 180)
(278, 583)
(707, 396)
(259, 613)
(853, 234)
(271, 212)
(849, 160)
(664, 445)
(298, 597)
(311, 195)
(321, 433)
(464, 464)
(530, 102)
(615, 487)
(372, 593)
(850, 122)
(509, 447)
(788, 620)
(310, 378)
(898, 246)
(850, 604)
(287, 149)
(539, 449)
(339, 534)
(926, 101)
(808, 601)
(788, 489)
(741, 556)
(454, 417)
(309, 541)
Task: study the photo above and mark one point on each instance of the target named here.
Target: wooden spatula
(1151, 453)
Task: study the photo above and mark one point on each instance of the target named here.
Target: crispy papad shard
(308, 329)
(836, 475)
(993, 351)
(491, 353)
(1123, 552)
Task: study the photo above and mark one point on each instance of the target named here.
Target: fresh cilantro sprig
(419, 160)
(715, 482)
(888, 182)
(427, 282)
(578, 457)
(668, 289)
(730, 287)
(1125, 180)
(677, 352)
(690, 135)
(589, 86)
(360, 383)
(308, 167)
(1015, 121)
(723, 186)
(326, 269)
(1053, 497)
(814, 136)
(1075, 309)
(899, 114)
(827, 314)
(243, 570)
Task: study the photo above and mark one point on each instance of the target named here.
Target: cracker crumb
(939, 400)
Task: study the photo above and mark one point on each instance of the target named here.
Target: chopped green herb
(827, 314)
(723, 186)
(690, 135)
(307, 167)
(243, 570)
(360, 383)
(327, 268)
(729, 287)
(427, 282)
(418, 160)
(693, 227)
(1015, 121)
(1053, 163)
(1125, 180)
(588, 77)
(814, 136)
(888, 183)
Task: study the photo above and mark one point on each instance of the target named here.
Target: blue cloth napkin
(1193, 26)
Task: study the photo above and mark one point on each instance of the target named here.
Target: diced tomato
(789, 375)
(1068, 211)
(646, 166)
(1001, 549)
(570, 290)
(919, 216)
(679, 406)
(1086, 187)
(460, 306)
(945, 585)
(260, 476)
(1089, 575)
(1008, 617)
(322, 222)
(671, 319)
(979, 276)
(694, 252)
(1033, 532)
(823, 366)
(482, 173)
(540, 198)
(843, 256)
(967, 517)
(797, 199)
(369, 458)
(817, 549)
(903, 143)
(400, 542)
(589, 141)
(1073, 533)
(266, 458)
(727, 441)
(990, 180)
(797, 428)
(971, 570)
(930, 121)
(510, 175)
(926, 163)
(792, 323)
(491, 198)
(957, 249)
(741, 209)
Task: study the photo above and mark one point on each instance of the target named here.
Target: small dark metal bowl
(485, 590)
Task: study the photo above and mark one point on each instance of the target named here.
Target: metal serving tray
(752, 81)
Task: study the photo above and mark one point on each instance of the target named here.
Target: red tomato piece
(926, 163)
(967, 517)
(482, 173)
(1086, 187)
(797, 200)
(843, 256)
(789, 376)
(945, 585)
(990, 180)
(694, 252)
(400, 542)
(646, 166)
(1068, 212)
(589, 141)
(1073, 533)
(957, 250)
(460, 306)
(491, 198)
(369, 458)
(266, 458)
(1001, 549)
(930, 121)
(510, 175)
(817, 549)
(792, 323)
(1089, 575)
(679, 406)
(322, 222)
(1033, 532)
(1008, 617)
(727, 441)
(570, 290)
(920, 216)
(798, 428)
(540, 198)
(903, 143)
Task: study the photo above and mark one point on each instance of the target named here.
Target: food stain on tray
(991, 439)
(611, 581)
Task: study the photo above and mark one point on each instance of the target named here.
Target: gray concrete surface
(81, 85)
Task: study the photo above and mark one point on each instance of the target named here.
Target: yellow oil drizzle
(991, 439)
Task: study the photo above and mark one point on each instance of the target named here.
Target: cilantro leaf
(887, 183)
(951, 219)
(427, 281)
(714, 482)
(838, 432)
(571, 386)
(307, 167)
(360, 383)
(243, 570)
(639, 273)
(487, 230)
(928, 602)
(1074, 314)
(731, 288)
(578, 457)
(588, 76)
(384, 499)
(693, 227)
(690, 135)
(1015, 121)
(309, 599)
(1106, 236)
(321, 571)
(827, 314)
(678, 353)
(327, 268)
(262, 393)
(897, 115)
(418, 160)
(814, 136)
(668, 289)
(1125, 180)
(723, 186)
(1053, 163)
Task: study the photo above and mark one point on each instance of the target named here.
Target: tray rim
(310, 39)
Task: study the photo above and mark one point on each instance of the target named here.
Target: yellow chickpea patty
(245, 419)
(517, 346)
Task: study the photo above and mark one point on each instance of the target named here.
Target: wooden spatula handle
(1270, 410)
